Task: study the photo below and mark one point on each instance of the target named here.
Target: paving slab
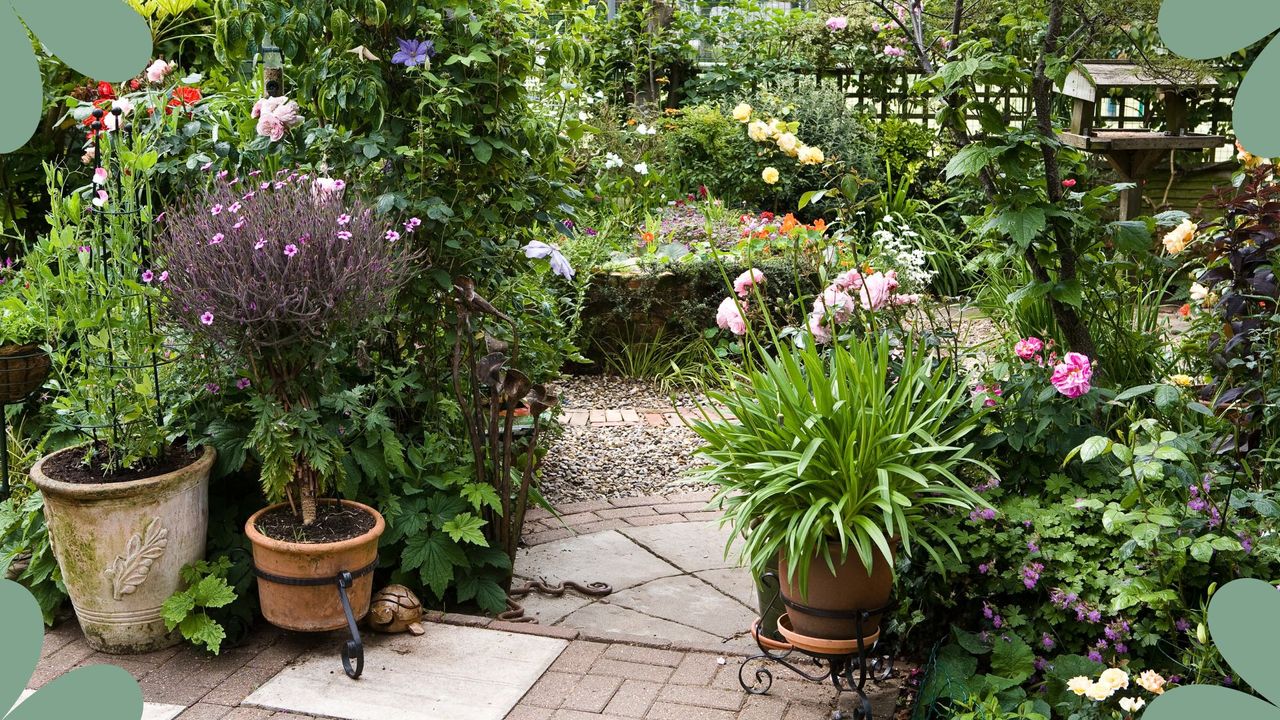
(150, 711)
(599, 557)
(549, 609)
(451, 673)
(734, 582)
(606, 617)
(690, 546)
(688, 601)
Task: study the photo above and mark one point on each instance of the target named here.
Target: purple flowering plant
(299, 275)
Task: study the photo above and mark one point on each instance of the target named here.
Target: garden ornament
(395, 609)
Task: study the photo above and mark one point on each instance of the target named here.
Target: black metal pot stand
(847, 672)
(352, 651)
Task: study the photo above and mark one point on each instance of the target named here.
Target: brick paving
(611, 417)
(592, 516)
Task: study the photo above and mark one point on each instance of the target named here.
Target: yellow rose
(811, 156)
(1151, 681)
(742, 112)
(770, 175)
(1099, 691)
(1180, 381)
(759, 131)
(1177, 239)
(1115, 678)
(788, 144)
(1079, 685)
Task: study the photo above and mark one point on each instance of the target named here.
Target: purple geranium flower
(539, 250)
(413, 52)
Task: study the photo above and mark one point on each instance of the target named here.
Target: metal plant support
(489, 392)
(848, 672)
(110, 267)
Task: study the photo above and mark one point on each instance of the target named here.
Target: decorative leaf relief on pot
(130, 570)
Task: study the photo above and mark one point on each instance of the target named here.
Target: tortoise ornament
(395, 609)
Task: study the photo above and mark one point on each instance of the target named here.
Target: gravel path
(614, 393)
(597, 463)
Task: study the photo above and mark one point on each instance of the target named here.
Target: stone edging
(593, 516)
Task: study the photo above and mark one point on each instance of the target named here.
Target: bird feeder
(1133, 152)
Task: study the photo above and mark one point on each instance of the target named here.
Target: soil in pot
(844, 593)
(334, 523)
(69, 467)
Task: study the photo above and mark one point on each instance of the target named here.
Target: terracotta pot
(848, 591)
(121, 548)
(313, 608)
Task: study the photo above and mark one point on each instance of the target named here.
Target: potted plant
(23, 364)
(278, 277)
(127, 505)
(833, 462)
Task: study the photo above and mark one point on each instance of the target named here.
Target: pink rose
(728, 317)
(851, 280)
(1028, 348)
(820, 333)
(269, 126)
(275, 116)
(747, 280)
(877, 289)
(1071, 377)
(157, 70)
(837, 23)
(834, 302)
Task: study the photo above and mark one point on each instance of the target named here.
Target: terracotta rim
(105, 491)
(767, 642)
(821, 645)
(296, 548)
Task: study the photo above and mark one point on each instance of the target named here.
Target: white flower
(1099, 691)
(759, 130)
(612, 161)
(641, 168)
(1177, 239)
(1114, 678)
(789, 144)
(582, 116)
(643, 129)
(811, 156)
(1132, 704)
(1199, 292)
(1079, 685)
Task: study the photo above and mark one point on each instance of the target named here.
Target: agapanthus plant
(275, 275)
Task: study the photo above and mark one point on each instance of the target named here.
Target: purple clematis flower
(413, 52)
(539, 250)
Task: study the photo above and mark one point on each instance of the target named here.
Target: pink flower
(877, 289)
(217, 238)
(290, 250)
(243, 384)
(992, 392)
(728, 317)
(834, 302)
(260, 244)
(893, 51)
(1069, 183)
(343, 235)
(412, 224)
(1029, 347)
(164, 275)
(269, 126)
(100, 198)
(327, 188)
(157, 70)
(215, 210)
(747, 280)
(275, 116)
(206, 318)
(343, 219)
(851, 280)
(837, 23)
(392, 236)
(820, 333)
(100, 176)
(1072, 376)
(148, 276)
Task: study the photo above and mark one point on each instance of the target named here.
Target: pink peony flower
(877, 289)
(157, 70)
(728, 317)
(837, 23)
(1071, 377)
(1027, 348)
(747, 280)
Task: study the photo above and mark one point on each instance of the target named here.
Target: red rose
(1069, 183)
(134, 84)
(185, 95)
(105, 91)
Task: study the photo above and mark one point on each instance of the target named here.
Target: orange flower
(1185, 310)
(788, 223)
(631, 121)
(868, 270)
(647, 238)
(820, 225)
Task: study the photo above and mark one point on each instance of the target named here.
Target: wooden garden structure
(1133, 152)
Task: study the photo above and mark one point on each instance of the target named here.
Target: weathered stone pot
(313, 608)
(121, 548)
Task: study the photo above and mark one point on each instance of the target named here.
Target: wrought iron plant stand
(847, 671)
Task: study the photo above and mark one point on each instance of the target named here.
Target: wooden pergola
(1133, 153)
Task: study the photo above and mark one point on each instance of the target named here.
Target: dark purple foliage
(276, 271)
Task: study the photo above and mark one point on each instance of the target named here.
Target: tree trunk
(306, 479)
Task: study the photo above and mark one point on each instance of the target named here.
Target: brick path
(653, 417)
(592, 516)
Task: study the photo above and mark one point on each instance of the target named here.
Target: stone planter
(121, 547)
